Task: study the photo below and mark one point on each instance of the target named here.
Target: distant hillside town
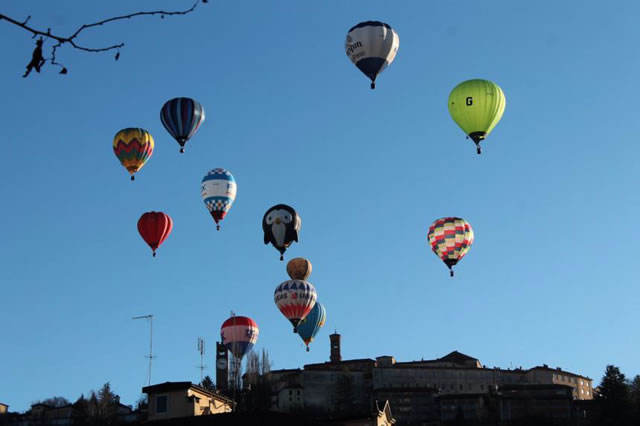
(454, 389)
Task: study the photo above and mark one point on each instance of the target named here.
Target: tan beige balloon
(299, 268)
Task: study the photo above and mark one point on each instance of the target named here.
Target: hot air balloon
(372, 46)
(182, 117)
(295, 299)
(477, 106)
(450, 239)
(299, 268)
(155, 227)
(133, 147)
(218, 190)
(239, 334)
(312, 323)
(281, 224)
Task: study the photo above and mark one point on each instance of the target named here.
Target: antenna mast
(201, 350)
(150, 318)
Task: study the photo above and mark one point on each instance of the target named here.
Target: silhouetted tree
(143, 402)
(107, 402)
(634, 387)
(258, 387)
(208, 384)
(55, 401)
(37, 56)
(613, 400)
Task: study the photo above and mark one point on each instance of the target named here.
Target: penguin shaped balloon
(281, 224)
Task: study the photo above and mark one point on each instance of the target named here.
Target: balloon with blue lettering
(295, 299)
(312, 323)
(182, 117)
(239, 334)
(218, 189)
(281, 224)
(372, 46)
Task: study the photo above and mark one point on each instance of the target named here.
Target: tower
(335, 347)
(222, 367)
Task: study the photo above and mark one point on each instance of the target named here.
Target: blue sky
(552, 276)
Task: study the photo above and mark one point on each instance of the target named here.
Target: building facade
(419, 392)
(183, 399)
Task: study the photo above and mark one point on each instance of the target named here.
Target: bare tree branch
(38, 60)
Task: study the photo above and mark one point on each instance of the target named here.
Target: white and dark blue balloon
(372, 46)
(281, 224)
(218, 189)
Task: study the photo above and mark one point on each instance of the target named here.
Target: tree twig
(38, 60)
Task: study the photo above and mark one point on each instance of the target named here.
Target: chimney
(335, 347)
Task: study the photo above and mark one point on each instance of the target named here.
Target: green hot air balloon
(477, 106)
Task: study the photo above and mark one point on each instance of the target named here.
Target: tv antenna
(201, 350)
(150, 318)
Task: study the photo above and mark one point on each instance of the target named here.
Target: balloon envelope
(450, 239)
(312, 323)
(218, 189)
(182, 117)
(155, 227)
(372, 46)
(133, 147)
(239, 334)
(299, 268)
(295, 299)
(281, 224)
(477, 106)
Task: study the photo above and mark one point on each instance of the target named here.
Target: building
(548, 402)
(420, 392)
(378, 417)
(4, 408)
(183, 399)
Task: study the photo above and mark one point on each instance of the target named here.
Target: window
(161, 404)
(481, 387)
(460, 386)
(581, 382)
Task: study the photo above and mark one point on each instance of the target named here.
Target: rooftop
(176, 386)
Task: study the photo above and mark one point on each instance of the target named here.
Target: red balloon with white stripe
(295, 299)
(239, 334)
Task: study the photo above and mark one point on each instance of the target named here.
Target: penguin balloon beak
(278, 220)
